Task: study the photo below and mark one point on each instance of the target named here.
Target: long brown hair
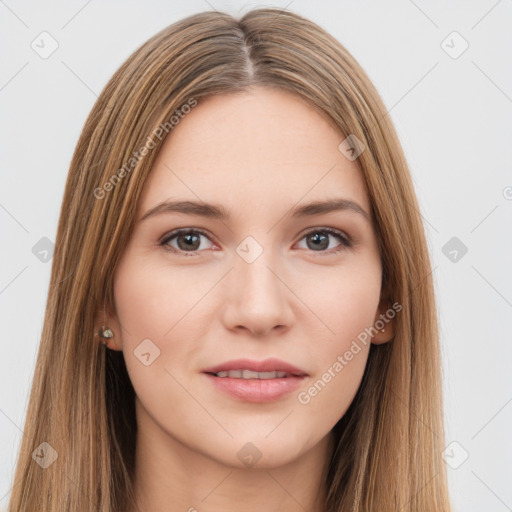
(389, 442)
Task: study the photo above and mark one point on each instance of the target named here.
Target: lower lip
(256, 390)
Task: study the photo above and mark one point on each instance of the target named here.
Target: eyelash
(345, 240)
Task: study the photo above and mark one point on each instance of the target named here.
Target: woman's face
(271, 279)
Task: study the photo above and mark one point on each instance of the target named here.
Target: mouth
(247, 369)
(249, 374)
(255, 381)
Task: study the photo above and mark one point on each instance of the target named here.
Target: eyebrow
(215, 211)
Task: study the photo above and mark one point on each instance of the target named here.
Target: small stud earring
(105, 334)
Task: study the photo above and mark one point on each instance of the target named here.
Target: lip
(256, 390)
(268, 365)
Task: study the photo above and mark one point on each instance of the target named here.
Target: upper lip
(268, 365)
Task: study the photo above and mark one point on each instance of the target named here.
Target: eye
(318, 240)
(188, 240)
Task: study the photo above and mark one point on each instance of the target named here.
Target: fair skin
(259, 155)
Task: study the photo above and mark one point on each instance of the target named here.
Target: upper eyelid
(333, 231)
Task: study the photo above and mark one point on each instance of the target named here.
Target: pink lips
(256, 390)
(268, 365)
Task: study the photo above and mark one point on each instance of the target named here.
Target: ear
(106, 317)
(384, 322)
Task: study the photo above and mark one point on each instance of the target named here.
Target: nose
(258, 298)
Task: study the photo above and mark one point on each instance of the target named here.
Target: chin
(261, 452)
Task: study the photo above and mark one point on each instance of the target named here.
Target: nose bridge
(259, 299)
(253, 268)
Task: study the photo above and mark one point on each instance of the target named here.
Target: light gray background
(453, 116)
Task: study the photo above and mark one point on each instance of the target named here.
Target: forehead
(262, 147)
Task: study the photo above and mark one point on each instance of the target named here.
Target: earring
(105, 334)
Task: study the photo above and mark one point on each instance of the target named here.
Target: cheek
(340, 352)
(157, 307)
(330, 393)
(342, 302)
(154, 301)
(143, 310)
(148, 309)
(339, 368)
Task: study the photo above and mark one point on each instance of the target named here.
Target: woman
(241, 311)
